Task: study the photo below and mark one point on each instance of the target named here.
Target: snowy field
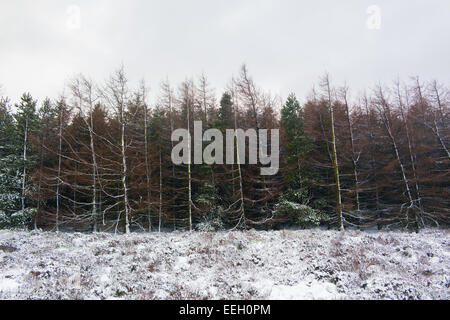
(310, 264)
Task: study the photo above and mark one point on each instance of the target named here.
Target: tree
(10, 168)
(116, 95)
(387, 119)
(100, 160)
(295, 141)
(294, 206)
(43, 142)
(156, 134)
(254, 108)
(27, 123)
(187, 101)
(440, 116)
(354, 154)
(328, 97)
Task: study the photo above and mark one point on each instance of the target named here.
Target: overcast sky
(286, 44)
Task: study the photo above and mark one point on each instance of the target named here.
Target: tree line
(99, 158)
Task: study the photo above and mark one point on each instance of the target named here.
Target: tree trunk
(147, 170)
(124, 176)
(160, 189)
(24, 173)
(58, 179)
(340, 220)
(354, 156)
(189, 169)
(387, 125)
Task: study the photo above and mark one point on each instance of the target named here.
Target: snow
(313, 290)
(308, 264)
(8, 285)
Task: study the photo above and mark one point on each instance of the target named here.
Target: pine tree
(295, 141)
(44, 145)
(27, 122)
(10, 165)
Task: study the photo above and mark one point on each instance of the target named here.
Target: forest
(99, 157)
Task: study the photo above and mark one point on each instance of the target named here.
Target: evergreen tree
(9, 167)
(43, 143)
(295, 141)
(27, 121)
(16, 159)
(225, 112)
(295, 205)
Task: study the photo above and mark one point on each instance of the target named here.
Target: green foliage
(215, 224)
(208, 195)
(296, 203)
(225, 113)
(157, 124)
(10, 164)
(296, 143)
(27, 119)
(26, 126)
(9, 185)
(7, 129)
(208, 198)
(12, 139)
(17, 220)
(10, 195)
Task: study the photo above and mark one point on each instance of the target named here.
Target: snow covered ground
(310, 264)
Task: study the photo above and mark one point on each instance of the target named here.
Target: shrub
(296, 203)
(208, 199)
(20, 219)
(210, 225)
(305, 216)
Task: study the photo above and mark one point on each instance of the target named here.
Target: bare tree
(240, 202)
(354, 155)
(83, 90)
(439, 114)
(116, 95)
(167, 102)
(325, 84)
(385, 114)
(187, 103)
(206, 97)
(148, 172)
(412, 156)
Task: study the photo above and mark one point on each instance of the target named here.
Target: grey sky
(287, 44)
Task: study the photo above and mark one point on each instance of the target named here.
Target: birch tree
(27, 121)
(10, 167)
(116, 95)
(148, 172)
(385, 114)
(354, 154)
(411, 153)
(187, 99)
(84, 92)
(326, 87)
(441, 114)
